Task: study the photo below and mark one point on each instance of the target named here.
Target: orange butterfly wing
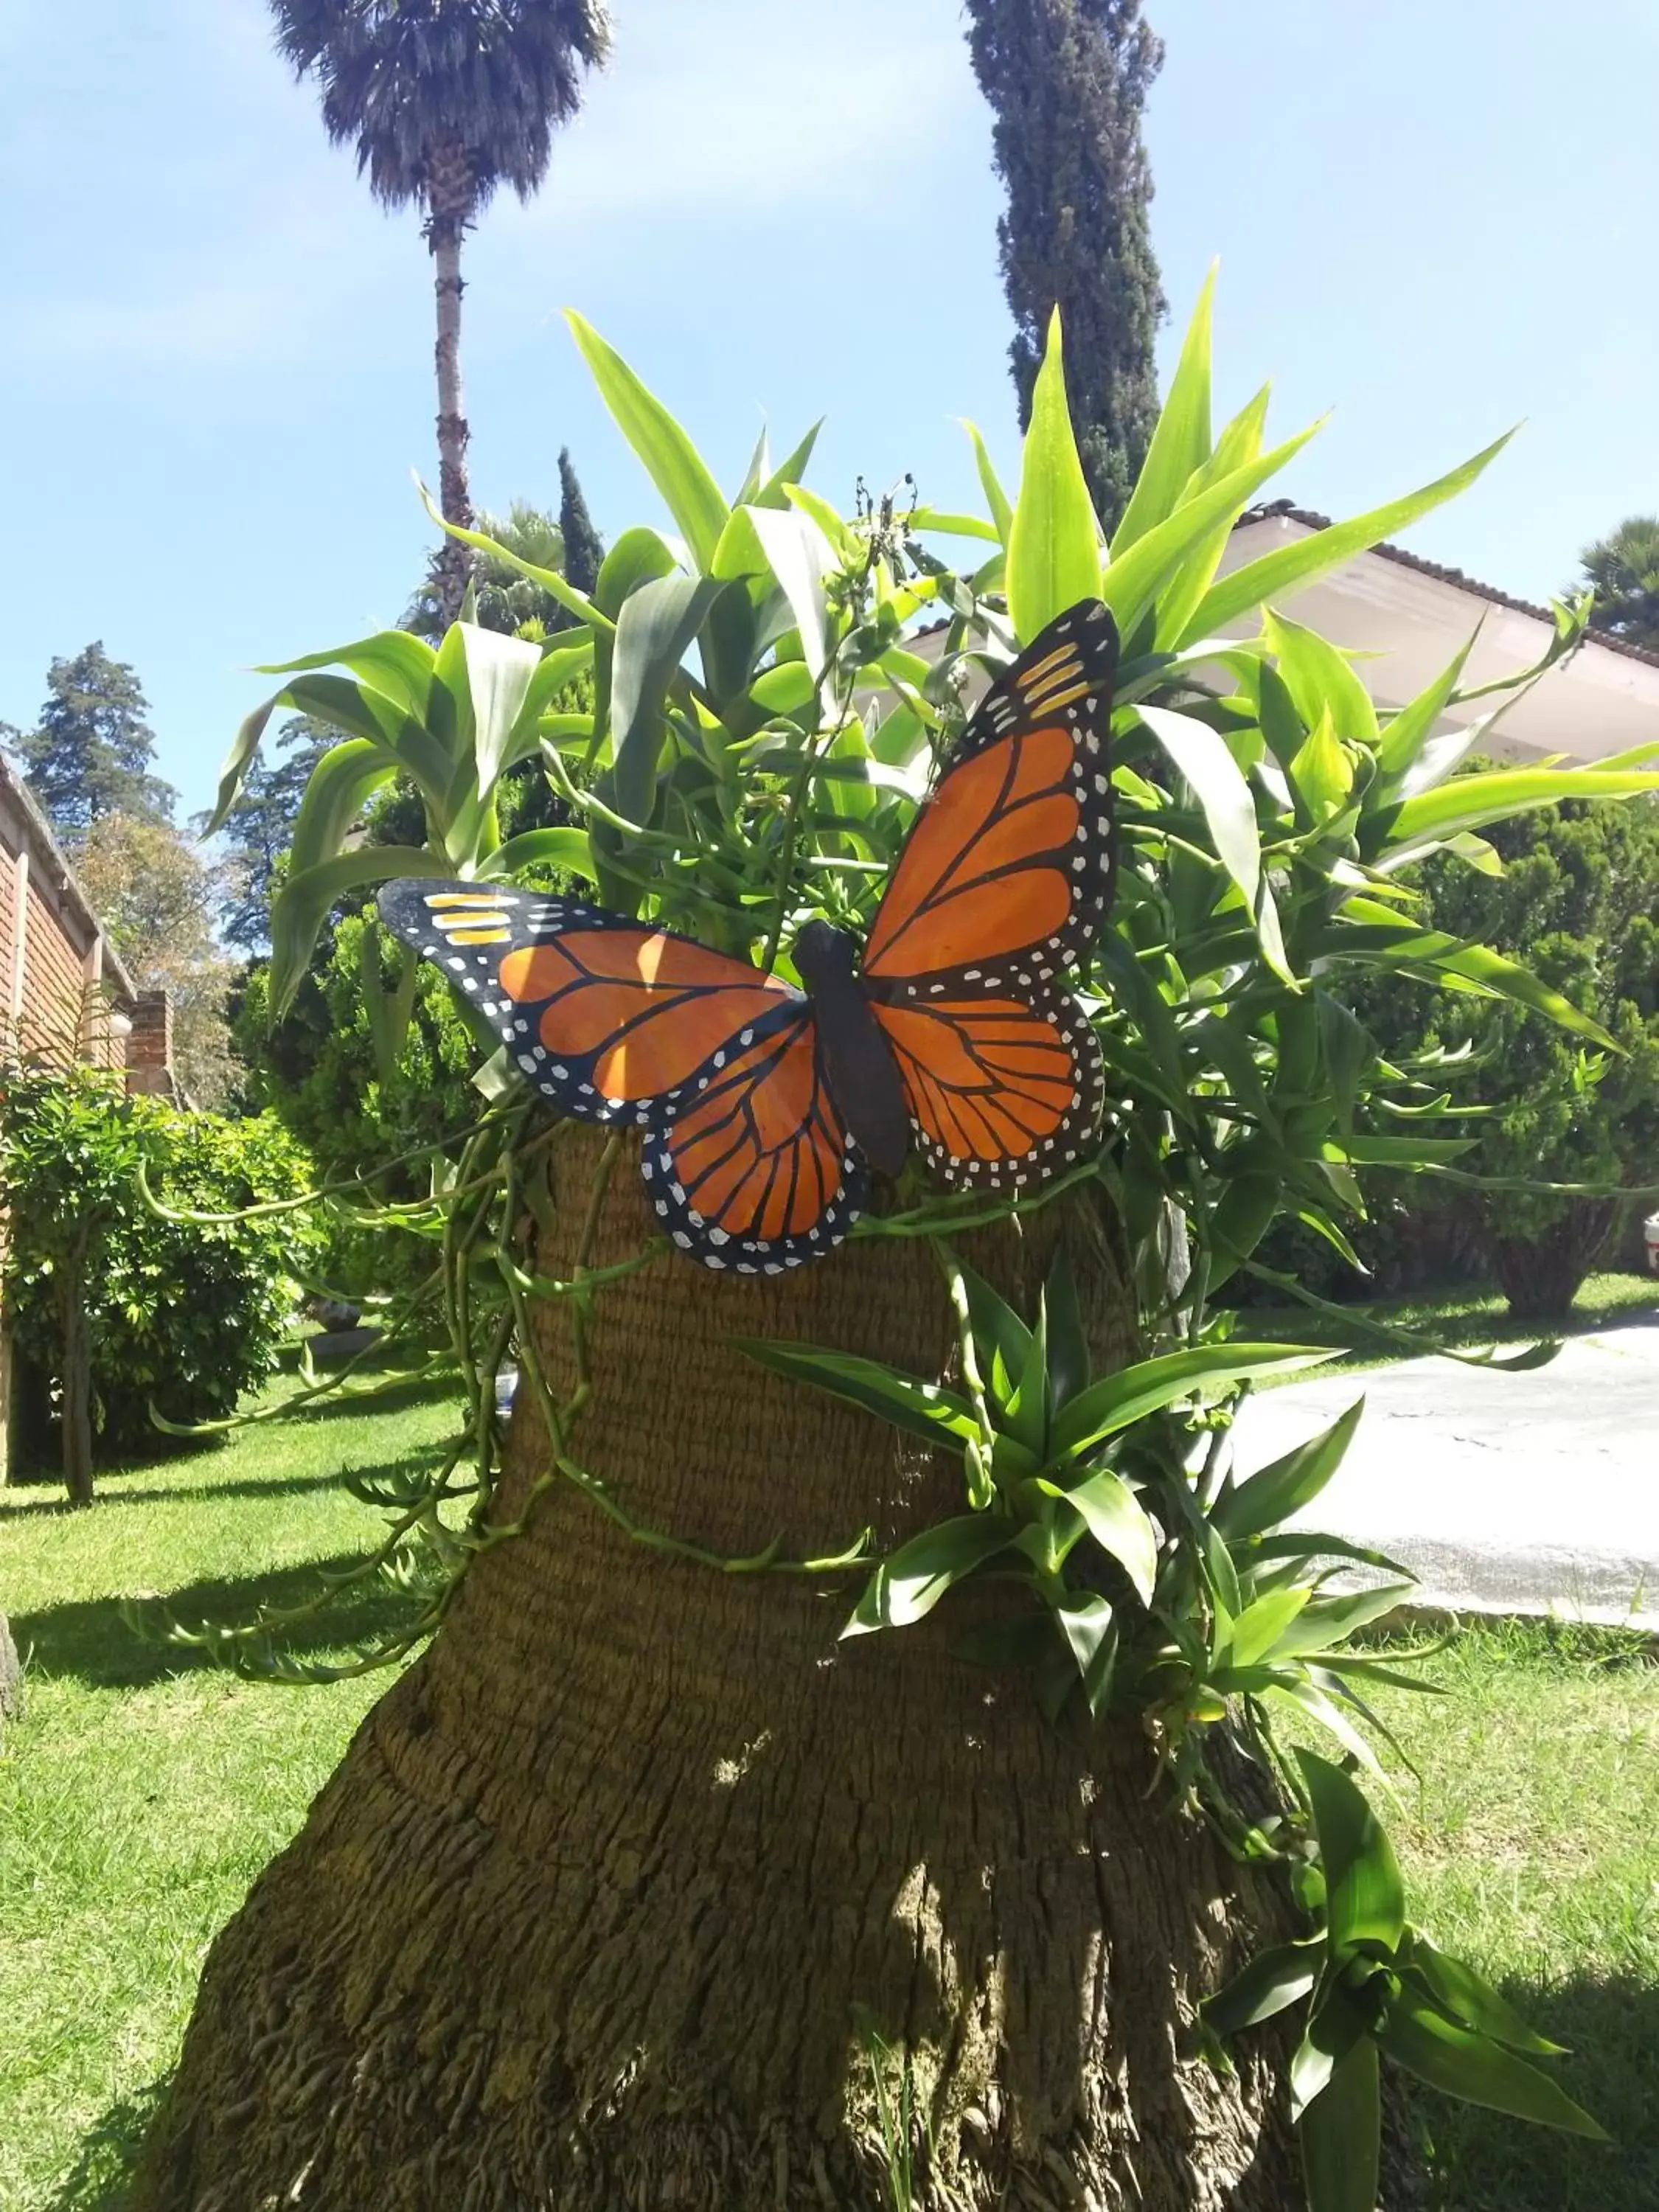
(746, 1161)
(612, 1018)
(1002, 885)
(755, 1172)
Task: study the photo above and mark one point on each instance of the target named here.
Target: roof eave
(45, 849)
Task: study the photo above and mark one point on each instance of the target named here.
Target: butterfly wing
(1002, 885)
(614, 1019)
(1004, 1087)
(755, 1172)
(747, 1162)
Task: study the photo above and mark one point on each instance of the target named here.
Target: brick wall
(60, 987)
(55, 979)
(150, 1046)
(8, 900)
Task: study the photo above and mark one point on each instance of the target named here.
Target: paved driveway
(1526, 1493)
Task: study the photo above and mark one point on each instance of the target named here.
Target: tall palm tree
(446, 100)
(1623, 568)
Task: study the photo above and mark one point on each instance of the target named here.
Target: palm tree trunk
(450, 198)
(614, 1888)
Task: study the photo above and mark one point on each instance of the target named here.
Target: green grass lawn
(1463, 1320)
(141, 1792)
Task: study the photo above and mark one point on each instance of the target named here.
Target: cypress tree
(584, 548)
(1066, 81)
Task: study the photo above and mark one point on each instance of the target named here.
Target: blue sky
(217, 372)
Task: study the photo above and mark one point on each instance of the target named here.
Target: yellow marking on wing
(1050, 667)
(1050, 699)
(479, 936)
(436, 899)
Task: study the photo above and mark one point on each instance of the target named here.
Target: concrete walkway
(1528, 1493)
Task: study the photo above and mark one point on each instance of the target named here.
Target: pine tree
(1066, 81)
(260, 828)
(1624, 568)
(90, 754)
(584, 548)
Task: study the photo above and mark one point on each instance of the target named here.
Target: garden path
(1530, 1494)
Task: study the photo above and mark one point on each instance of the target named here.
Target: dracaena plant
(1145, 1577)
(765, 716)
(764, 722)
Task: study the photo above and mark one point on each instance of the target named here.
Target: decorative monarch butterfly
(764, 1106)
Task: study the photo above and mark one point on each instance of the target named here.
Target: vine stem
(814, 754)
(932, 1221)
(343, 1190)
(957, 1284)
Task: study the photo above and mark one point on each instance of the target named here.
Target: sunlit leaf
(1277, 1491)
(925, 1409)
(1273, 1979)
(996, 499)
(1475, 2001)
(1473, 2067)
(1117, 1400)
(1087, 1621)
(1054, 539)
(566, 849)
(302, 906)
(672, 462)
(1218, 784)
(656, 626)
(500, 672)
(1114, 1519)
(911, 1583)
(1131, 581)
(1180, 437)
(1365, 1899)
(1340, 2133)
(1290, 568)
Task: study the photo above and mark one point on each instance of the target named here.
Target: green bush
(353, 1106)
(187, 1312)
(1572, 890)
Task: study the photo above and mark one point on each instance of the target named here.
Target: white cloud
(750, 105)
(244, 239)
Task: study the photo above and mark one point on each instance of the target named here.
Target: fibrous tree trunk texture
(11, 1678)
(619, 1885)
(450, 195)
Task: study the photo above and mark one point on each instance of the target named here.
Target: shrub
(1572, 891)
(356, 1106)
(116, 1301)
